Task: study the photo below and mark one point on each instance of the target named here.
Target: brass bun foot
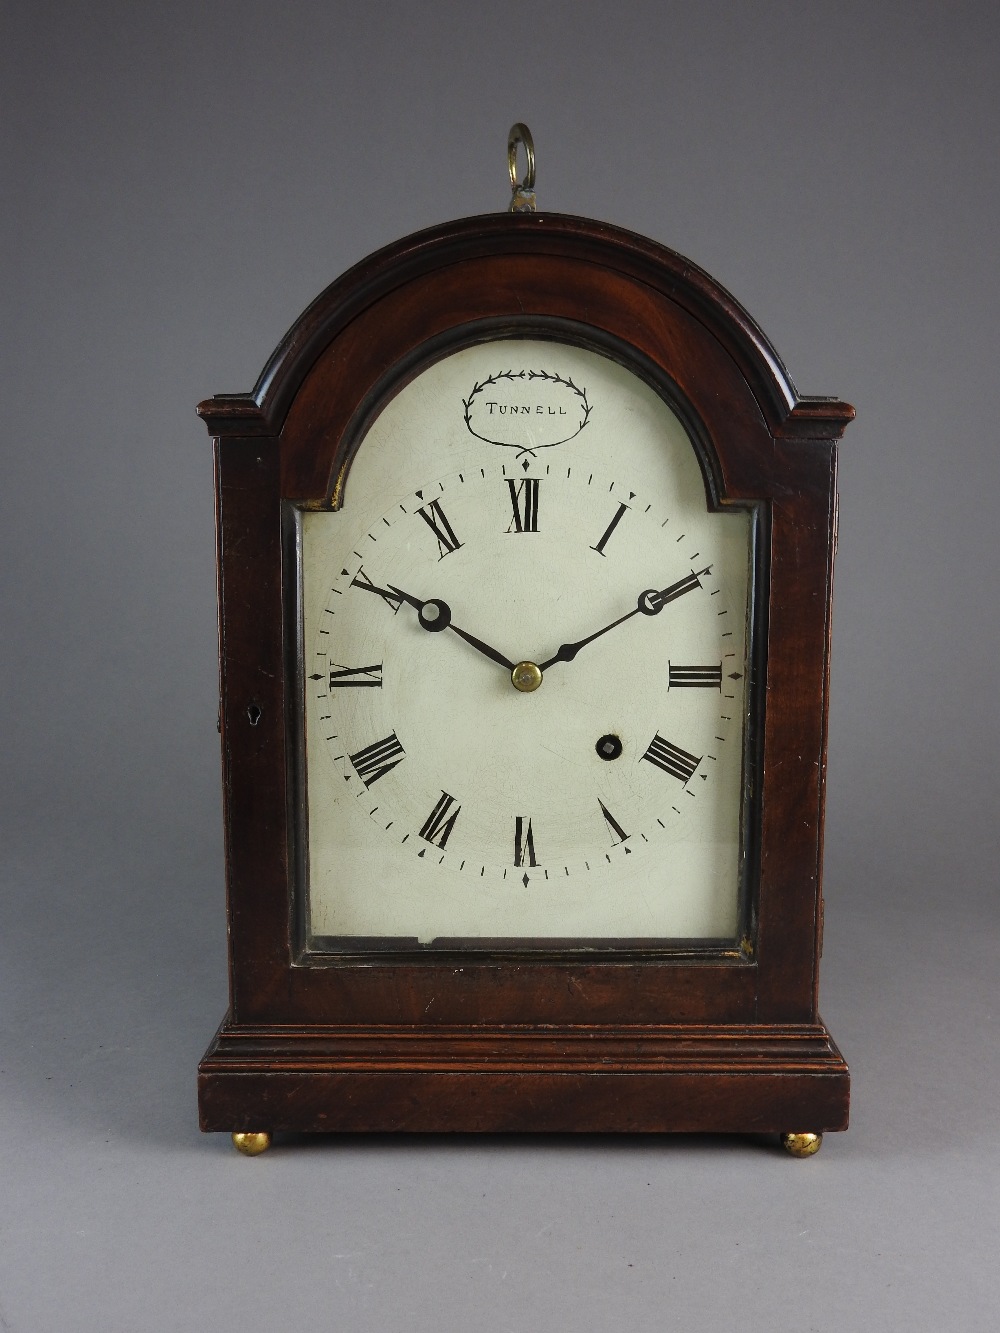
(251, 1145)
(801, 1145)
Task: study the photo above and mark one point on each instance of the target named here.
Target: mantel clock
(525, 553)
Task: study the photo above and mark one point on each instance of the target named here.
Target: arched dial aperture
(527, 679)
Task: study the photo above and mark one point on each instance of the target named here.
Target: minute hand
(650, 603)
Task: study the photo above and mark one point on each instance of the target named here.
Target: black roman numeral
(616, 829)
(359, 676)
(671, 758)
(524, 503)
(434, 516)
(524, 842)
(392, 601)
(599, 548)
(694, 677)
(375, 760)
(440, 822)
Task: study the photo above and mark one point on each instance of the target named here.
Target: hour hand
(434, 615)
(394, 598)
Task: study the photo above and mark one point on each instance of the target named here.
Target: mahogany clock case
(708, 1036)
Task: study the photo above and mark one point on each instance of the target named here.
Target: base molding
(747, 1078)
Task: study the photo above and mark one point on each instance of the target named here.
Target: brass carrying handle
(522, 198)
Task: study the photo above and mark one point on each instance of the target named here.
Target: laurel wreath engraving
(526, 375)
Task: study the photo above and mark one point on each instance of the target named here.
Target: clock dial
(525, 645)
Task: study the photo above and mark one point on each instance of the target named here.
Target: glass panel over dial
(524, 639)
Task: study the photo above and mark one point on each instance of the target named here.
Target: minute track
(509, 592)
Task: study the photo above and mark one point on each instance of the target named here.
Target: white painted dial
(525, 502)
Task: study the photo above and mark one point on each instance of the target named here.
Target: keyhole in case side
(254, 713)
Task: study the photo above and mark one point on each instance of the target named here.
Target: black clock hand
(567, 651)
(435, 615)
(478, 644)
(650, 602)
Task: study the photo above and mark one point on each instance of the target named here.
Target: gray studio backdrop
(179, 181)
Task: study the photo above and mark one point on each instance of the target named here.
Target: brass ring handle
(523, 191)
(520, 134)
